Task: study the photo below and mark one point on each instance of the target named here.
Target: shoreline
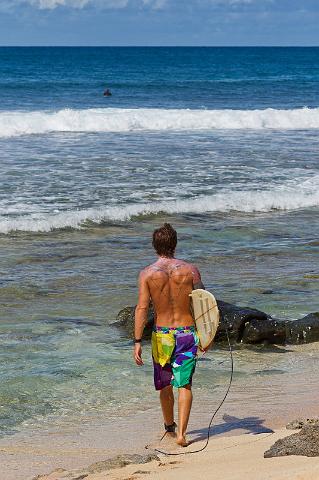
(247, 461)
(257, 405)
(25, 455)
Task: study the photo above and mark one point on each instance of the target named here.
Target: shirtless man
(168, 283)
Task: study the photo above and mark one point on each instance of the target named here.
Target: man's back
(170, 281)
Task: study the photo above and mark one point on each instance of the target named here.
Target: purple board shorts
(174, 352)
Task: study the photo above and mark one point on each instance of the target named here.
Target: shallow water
(65, 291)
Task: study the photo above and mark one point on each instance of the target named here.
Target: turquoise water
(216, 141)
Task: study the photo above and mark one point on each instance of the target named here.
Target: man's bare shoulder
(187, 265)
(192, 270)
(176, 263)
(148, 270)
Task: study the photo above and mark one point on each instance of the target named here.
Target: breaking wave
(240, 201)
(14, 123)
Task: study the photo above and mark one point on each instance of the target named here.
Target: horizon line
(158, 46)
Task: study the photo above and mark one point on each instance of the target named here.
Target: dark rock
(304, 330)
(269, 331)
(301, 422)
(305, 442)
(244, 324)
(125, 321)
(232, 317)
(235, 319)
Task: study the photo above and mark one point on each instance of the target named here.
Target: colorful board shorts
(174, 352)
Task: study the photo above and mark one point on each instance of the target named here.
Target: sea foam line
(14, 123)
(240, 201)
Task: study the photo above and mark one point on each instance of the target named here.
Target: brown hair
(165, 240)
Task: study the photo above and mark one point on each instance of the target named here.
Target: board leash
(215, 412)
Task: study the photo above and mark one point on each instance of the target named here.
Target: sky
(159, 22)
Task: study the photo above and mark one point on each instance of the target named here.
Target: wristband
(137, 340)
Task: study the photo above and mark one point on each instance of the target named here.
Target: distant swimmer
(107, 93)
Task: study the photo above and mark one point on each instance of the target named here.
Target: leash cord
(216, 411)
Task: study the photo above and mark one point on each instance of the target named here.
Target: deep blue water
(237, 78)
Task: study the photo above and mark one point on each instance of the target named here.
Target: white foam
(306, 195)
(124, 120)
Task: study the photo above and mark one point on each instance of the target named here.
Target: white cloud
(119, 4)
(51, 4)
(234, 2)
(156, 4)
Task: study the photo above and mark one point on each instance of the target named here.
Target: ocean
(220, 142)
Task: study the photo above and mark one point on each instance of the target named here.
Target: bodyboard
(206, 316)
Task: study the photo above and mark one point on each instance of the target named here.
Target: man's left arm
(141, 312)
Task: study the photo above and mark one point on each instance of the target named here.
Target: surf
(14, 123)
(278, 198)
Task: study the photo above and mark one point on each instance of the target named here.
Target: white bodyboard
(206, 316)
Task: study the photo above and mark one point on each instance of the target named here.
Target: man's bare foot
(182, 441)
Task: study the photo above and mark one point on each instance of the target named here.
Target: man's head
(165, 240)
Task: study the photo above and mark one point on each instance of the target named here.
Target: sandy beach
(230, 457)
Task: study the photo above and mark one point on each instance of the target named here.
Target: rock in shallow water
(270, 331)
(125, 321)
(304, 330)
(244, 324)
(234, 318)
(305, 442)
